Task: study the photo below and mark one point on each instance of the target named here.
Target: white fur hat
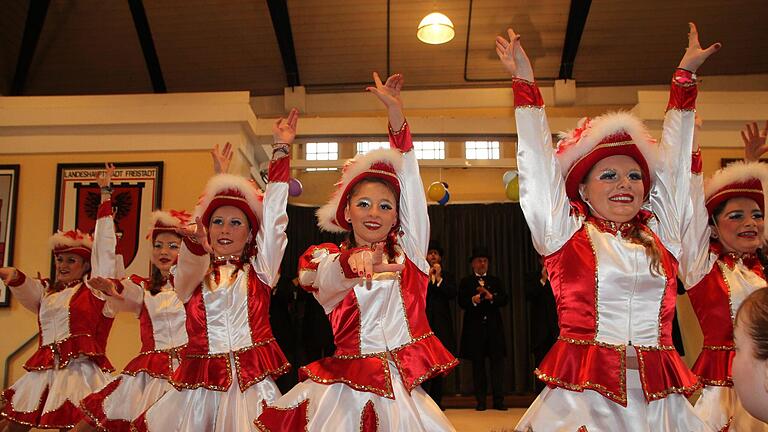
(738, 179)
(232, 190)
(617, 133)
(76, 242)
(167, 221)
(383, 164)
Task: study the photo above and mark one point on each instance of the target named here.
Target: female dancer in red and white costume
(726, 270)
(162, 328)
(74, 322)
(612, 265)
(228, 367)
(373, 289)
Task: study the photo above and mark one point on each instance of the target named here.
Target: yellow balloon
(436, 191)
(513, 190)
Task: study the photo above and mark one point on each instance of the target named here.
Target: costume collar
(730, 259)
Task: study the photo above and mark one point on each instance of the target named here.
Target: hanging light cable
(435, 29)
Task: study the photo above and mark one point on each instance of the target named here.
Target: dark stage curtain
(500, 228)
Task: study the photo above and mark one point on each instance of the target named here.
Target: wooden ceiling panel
(339, 41)
(628, 42)
(217, 46)
(11, 31)
(541, 24)
(87, 47)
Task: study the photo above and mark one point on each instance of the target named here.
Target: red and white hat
(618, 133)
(76, 242)
(168, 221)
(383, 164)
(231, 190)
(739, 179)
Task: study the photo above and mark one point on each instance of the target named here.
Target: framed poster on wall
(137, 191)
(9, 193)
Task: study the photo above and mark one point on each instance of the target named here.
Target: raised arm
(671, 194)
(104, 260)
(696, 260)
(543, 198)
(26, 290)
(194, 259)
(412, 211)
(271, 238)
(126, 295)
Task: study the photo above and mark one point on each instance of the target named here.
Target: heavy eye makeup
(363, 203)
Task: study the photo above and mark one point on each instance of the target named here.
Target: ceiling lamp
(435, 29)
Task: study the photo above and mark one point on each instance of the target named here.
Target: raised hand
(513, 56)
(284, 129)
(367, 262)
(8, 274)
(103, 178)
(104, 285)
(694, 55)
(389, 94)
(754, 141)
(222, 157)
(198, 234)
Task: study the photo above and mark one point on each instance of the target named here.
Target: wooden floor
(469, 420)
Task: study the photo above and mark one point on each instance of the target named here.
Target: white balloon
(509, 176)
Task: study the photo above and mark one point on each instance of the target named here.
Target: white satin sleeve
(330, 284)
(190, 271)
(103, 256)
(133, 298)
(414, 219)
(670, 198)
(543, 199)
(29, 293)
(696, 261)
(271, 239)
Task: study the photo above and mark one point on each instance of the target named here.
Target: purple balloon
(295, 187)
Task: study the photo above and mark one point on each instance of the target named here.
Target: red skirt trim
(213, 371)
(92, 407)
(156, 364)
(422, 360)
(365, 373)
(293, 419)
(64, 417)
(714, 366)
(68, 349)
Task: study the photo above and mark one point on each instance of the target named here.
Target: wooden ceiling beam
(577, 19)
(38, 9)
(281, 22)
(144, 33)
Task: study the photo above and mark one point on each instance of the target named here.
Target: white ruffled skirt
(339, 408)
(49, 398)
(557, 409)
(209, 410)
(124, 398)
(719, 405)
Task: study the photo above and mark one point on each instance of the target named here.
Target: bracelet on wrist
(106, 189)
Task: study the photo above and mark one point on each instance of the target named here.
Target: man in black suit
(441, 289)
(482, 296)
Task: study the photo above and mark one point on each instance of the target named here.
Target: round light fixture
(435, 29)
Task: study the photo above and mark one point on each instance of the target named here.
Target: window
(322, 151)
(481, 149)
(429, 149)
(364, 147)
